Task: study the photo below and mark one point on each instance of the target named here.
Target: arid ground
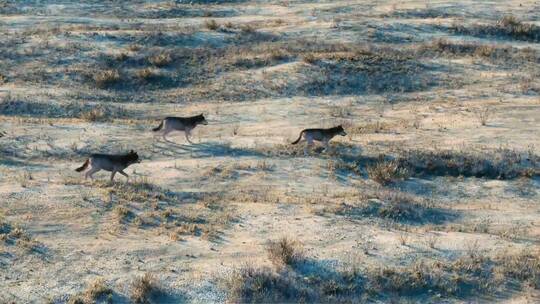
(432, 197)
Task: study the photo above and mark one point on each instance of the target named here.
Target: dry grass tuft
(386, 172)
(146, 74)
(211, 25)
(95, 114)
(144, 288)
(508, 27)
(95, 291)
(483, 114)
(107, 78)
(259, 285)
(284, 252)
(498, 164)
(160, 60)
(463, 278)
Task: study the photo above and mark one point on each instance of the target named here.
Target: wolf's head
(201, 120)
(341, 131)
(133, 157)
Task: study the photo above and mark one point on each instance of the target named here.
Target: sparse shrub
(134, 47)
(499, 164)
(25, 178)
(400, 206)
(284, 252)
(146, 74)
(95, 114)
(104, 79)
(260, 285)
(432, 241)
(528, 85)
(278, 54)
(247, 28)
(144, 288)
(121, 56)
(386, 172)
(482, 115)
(508, 26)
(403, 239)
(95, 291)
(122, 213)
(211, 24)
(309, 58)
(160, 60)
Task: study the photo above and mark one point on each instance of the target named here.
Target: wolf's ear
(131, 152)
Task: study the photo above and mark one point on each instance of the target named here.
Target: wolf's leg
(326, 146)
(308, 145)
(112, 175)
(187, 133)
(90, 172)
(165, 132)
(124, 174)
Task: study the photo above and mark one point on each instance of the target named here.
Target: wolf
(109, 162)
(322, 135)
(185, 124)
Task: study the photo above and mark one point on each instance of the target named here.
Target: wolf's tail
(298, 140)
(84, 166)
(158, 127)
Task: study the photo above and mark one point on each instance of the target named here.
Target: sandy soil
(241, 181)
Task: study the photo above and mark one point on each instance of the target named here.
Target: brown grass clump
(508, 27)
(483, 114)
(386, 172)
(107, 78)
(284, 252)
(309, 58)
(465, 277)
(146, 74)
(122, 213)
(260, 285)
(97, 290)
(144, 288)
(160, 60)
(211, 25)
(94, 114)
(498, 164)
(14, 235)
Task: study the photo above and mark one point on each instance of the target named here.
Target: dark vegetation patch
(148, 206)
(508, 27)
(461, 279)
(145, 289)
(329, 68)
(17, 106)
(500, 164)
(366, 71)
(395, 206)
(502, 54)
(388, 169)
(285, 252)
(387, 172)
(98, 291)
(426, 13)
(185, 12)
(12, 235)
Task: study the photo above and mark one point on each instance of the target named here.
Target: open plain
(433, 196)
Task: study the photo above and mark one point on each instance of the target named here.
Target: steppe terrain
(432, 197)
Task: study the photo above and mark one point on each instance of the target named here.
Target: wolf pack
(117, 163)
